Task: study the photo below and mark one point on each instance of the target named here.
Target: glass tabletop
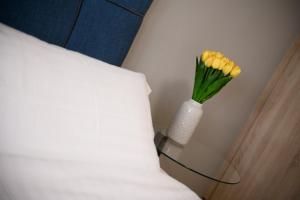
(206, 162)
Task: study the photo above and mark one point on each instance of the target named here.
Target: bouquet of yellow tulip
(213, 72)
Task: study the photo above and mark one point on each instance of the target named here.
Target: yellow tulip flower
(219, 55)
(228, 67)
(226, 60)
(222, 64)
(235, 71)
(209, 61)
(216, 63)
(213, 53)
(205, 55)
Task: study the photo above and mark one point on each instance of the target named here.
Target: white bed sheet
(26, 178)
(64, 134)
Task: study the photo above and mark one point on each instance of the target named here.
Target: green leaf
(199, 75)
(215, 87)
(212, 75)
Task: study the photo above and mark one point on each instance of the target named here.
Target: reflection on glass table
(205, 162)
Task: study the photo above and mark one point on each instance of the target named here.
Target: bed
(71, 125)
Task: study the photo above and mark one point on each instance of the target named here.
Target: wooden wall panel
(267, 152)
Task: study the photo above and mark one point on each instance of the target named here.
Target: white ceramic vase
(185, 122)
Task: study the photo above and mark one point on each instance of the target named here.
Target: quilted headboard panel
(103, 29)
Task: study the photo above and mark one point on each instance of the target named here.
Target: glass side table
(205, 162)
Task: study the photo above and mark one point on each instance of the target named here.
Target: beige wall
(254, 33)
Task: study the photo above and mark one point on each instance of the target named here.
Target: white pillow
(71, 125)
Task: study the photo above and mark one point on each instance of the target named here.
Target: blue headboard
(103, 29)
